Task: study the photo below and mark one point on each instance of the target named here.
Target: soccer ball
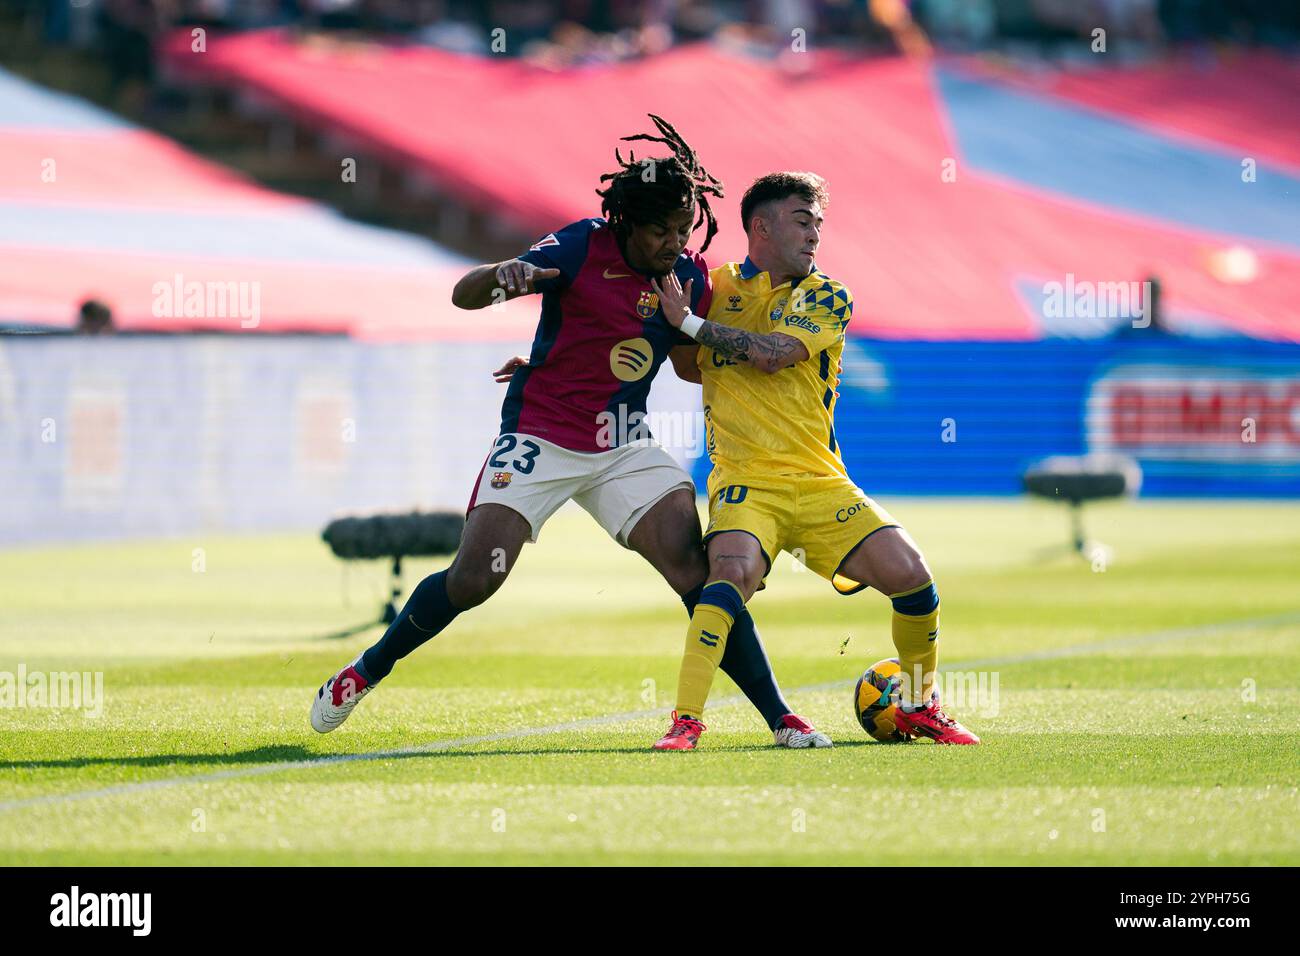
(875, 701)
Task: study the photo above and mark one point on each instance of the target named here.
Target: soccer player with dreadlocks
(572, 425)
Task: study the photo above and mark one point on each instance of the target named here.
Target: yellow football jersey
(782, 423)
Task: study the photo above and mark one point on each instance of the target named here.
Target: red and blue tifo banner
(960, 187)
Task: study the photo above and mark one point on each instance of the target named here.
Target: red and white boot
(797, 734)
(336, 698)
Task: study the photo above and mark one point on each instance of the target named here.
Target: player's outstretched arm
(769, 352)
(498, 281)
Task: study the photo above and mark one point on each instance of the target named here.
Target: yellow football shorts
(818, 519)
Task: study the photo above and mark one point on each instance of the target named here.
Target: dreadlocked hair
(648, 190)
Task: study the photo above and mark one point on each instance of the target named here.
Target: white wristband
(692, 324)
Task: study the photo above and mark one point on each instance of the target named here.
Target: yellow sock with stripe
(706, 640)
(916, 637)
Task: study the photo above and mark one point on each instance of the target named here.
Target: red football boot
(930, 721)
(683, 735)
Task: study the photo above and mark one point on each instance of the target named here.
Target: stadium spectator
(94, 318)
(127, 32)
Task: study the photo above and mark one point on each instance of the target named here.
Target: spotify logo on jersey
(631, 359)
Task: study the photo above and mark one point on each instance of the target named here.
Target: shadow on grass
(300, 754)
(465, 753)
(260, 755)
(566, 751)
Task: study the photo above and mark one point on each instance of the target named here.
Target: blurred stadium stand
(131, 210)
(961, 370)
(1043, 188)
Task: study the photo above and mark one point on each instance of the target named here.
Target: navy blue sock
(746, 663)
(429, 606)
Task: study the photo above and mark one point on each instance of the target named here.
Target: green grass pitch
(1147, 710)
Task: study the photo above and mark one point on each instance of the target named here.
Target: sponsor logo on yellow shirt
(803, 322)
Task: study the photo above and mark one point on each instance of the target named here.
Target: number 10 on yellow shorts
(817, 518)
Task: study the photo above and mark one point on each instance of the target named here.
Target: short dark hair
(678, 182)
(777, 186)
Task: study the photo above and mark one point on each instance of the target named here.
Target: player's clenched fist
(483, 285)
(517, 277)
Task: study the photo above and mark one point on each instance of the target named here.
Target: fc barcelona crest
(647, 305)
(500, 479)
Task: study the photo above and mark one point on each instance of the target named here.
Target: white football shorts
(616, 487)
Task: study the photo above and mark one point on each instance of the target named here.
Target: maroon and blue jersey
(600, 341)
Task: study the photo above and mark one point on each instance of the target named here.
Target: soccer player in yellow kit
(769, 359)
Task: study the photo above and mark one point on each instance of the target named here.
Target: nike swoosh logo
(617, 275)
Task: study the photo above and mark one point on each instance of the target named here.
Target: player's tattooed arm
(496, 282)
(767, 353)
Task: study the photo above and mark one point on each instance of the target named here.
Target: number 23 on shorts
(507, 444)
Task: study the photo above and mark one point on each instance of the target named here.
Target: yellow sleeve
(817, 316)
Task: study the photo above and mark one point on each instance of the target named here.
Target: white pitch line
(1074, 650)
